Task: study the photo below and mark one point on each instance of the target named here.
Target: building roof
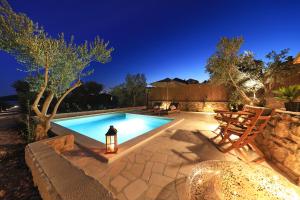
(178, 80)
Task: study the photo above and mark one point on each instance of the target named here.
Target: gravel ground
(15, 178)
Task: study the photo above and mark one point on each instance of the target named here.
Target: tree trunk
(134, 100)
(42, 129)
(246, 99)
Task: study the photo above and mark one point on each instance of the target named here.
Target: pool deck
(157, 169)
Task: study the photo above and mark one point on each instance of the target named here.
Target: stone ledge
(57, 179)
(280, 143)
(287, 112)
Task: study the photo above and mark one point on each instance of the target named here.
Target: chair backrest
(256, 124)
(174, 104)
(157, 104)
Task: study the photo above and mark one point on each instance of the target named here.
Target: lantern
(111, 140)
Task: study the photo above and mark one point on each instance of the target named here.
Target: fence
(190, 93)
(191, 97)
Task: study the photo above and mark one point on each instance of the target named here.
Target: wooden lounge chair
(253, 126)
(226, 119)
(173, 108)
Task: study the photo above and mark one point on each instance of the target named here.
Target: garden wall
(57, 178)
(194, 106)
(280, 142)
(280, 80)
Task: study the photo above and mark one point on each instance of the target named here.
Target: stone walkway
(159, 168)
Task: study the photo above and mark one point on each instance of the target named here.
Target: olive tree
(55, 66)
(132, 92)
(239, 71)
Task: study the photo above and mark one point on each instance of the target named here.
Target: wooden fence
(190, 93)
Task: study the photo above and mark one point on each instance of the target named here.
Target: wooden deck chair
(241, 122)
(246, 136)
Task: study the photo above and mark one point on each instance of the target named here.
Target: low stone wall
(63, 143)
(280, 142)
(195, 106)
(55, 177)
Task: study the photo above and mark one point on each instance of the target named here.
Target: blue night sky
(161, 38)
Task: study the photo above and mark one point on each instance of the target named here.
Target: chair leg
(261, 157)
(242, 154)
(226, 150)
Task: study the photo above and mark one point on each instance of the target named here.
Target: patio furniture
(245, 131)
(229, 118)
(173, 108)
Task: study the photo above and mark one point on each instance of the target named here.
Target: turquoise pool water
(128, 125)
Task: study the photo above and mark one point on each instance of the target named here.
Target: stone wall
(194, 106)
(57, 178)
(280, 142)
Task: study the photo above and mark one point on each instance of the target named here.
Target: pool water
(128, 125)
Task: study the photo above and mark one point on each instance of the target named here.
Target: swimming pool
(128, 125)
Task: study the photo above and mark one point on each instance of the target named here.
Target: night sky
(161, 38)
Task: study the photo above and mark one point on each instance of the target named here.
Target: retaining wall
(280, 142)
(55, 177)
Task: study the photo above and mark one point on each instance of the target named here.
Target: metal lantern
(111, 140)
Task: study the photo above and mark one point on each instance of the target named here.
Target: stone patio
(159, 168)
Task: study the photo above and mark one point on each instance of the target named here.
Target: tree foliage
(55, 66)
(132, 92)
(227, 66)
(89, 96)
(279, 67)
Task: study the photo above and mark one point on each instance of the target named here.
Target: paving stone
(158, 157)
(128, 175)
(139, 158)
(131, 157)
(137, 169)
(181, 188)
(158, 168)
(119, 183)
(164, 194)
(117, 168)
(153, 191)
(160, 180)
(121, 196)
(135, 189)
(147, 172)
(186, 168)
(171, 171)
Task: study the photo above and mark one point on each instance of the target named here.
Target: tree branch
(47, 104)
(76, 85)
(247, 99)
(40, 93)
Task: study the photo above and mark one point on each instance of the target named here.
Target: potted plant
(289, 94)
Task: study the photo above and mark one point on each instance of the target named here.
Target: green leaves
(132, 92)
(289, 93)
(224, 60)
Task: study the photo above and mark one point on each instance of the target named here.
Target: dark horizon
(160, 38)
